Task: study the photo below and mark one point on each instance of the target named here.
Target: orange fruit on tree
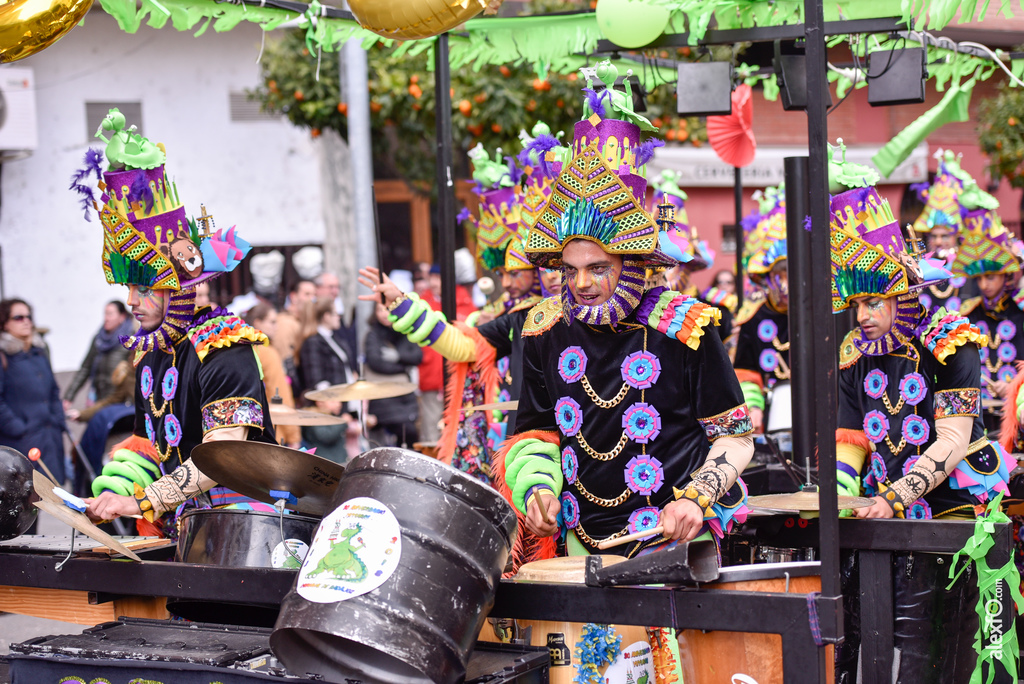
(375, 106)
(415, 91)
(531, 105)
(465, 107)
(343, 108)
(496, 127)
(314, 133)
(479, 98)
(683, 135)
(670, 134)
(298, 95)
(1012, 121)
(414, 79)
(505, 71)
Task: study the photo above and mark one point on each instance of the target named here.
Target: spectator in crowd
(391, 357)
(263, 317)
(31, 413)
(328, 289)
(322, 361)
(288, 327)
(725, 281)
(330, 441)
(104, 355)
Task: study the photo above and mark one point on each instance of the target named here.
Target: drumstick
(544, 509)
(35, 456)
(619, 541)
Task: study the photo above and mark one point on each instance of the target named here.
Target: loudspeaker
(704, 89)
(791, 74)
(896, 77)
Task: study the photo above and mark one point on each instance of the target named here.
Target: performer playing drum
(198, 376)
(909, 432)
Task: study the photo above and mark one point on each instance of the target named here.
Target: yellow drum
(731, 657)
(634, 665)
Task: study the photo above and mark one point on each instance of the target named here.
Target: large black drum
(239, 538)
(400, 576)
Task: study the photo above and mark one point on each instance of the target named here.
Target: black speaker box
(704, 89)
(896, 77)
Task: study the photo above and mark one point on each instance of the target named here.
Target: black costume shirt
(895, 399)
(762, 340)
(636, 410)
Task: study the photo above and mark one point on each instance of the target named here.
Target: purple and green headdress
(496, 182)
(987, 246)
(148, 238)
(541, 160)
(599, 196)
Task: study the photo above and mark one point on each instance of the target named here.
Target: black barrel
(420, 625)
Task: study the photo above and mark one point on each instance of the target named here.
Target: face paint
(591, 273)
(148, 306)
(518, 283)
(874, 315)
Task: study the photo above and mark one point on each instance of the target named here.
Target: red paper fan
(732, 137)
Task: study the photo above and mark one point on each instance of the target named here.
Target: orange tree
(489, 106)
(1001, 134)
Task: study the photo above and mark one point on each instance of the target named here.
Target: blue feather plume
(80, 178)
(646, 151)
(596, 101)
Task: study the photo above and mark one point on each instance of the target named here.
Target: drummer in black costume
(198, 376)
(909, 433)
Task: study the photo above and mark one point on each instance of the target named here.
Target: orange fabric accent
(148, 529)
(139, 445)
(747, 375)
(486, 361)
(1011, 426)
(452, 415)
(855, 437)
(527, 547)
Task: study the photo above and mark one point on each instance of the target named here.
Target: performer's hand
(535, 514)
(757, 418)
(878, 509)
(682, 520)
(370, 277)
(109, 505)
(484, 317)
(999, 388)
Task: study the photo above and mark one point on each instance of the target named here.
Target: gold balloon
(411, 19)
(28, 26)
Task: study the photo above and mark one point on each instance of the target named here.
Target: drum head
(566, 570)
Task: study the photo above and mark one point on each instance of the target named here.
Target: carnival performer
(762, 343)
(198, 377)
(616, 409)
(909, 432)
(986, 257)
(941, 222)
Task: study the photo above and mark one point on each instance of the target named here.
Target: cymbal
(802, 501)
(362, 390)
(256, 468)
(498, 406)
(286, 415)
(54, 505)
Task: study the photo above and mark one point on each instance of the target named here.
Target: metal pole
(445, 185)
(826, 345)
(801, 322)
(358, 97)
(737, 190)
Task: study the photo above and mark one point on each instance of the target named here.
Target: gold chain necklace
(607, 503)
(604, 403)
(603, 456)
(166, 405)
(942, 294)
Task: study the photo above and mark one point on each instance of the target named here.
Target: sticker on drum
(289, 557)
(634, 664)
(356, 549)
(560, 654)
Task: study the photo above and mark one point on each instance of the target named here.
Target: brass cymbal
(803, 501)
(256, 468)
(286, 415)
(54, 505)
(362, 390)
(498, 406)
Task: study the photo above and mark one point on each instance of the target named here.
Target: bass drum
(732, 657)
(239, 538)
(561, 638)
(780, 408)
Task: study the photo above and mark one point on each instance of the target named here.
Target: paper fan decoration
(732, 137)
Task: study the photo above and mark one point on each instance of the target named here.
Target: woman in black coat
(390, 356)
(31, 414)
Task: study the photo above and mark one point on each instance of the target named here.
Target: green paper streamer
(952, 107)
(1004, 648)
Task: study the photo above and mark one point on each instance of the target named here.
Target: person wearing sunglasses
(31, 413)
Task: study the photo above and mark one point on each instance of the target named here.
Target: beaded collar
(997, 306)
(909, 316)
(181, 309)
(622, 303)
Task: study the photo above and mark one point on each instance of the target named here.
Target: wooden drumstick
(619, 541)
(544, 509)
(35, 456)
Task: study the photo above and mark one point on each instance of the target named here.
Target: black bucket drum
(400, 576)
(239, 538)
